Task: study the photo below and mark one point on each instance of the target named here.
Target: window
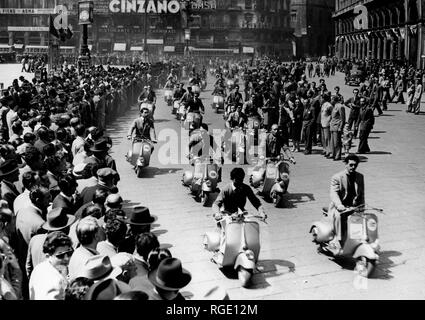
(248, 4)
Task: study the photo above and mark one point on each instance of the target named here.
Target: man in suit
(106, 180)
(347, 190)
(366, 122)
(309, 120)
(337, 124)
(67, 198)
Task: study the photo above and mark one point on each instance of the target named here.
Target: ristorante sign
(142, 6)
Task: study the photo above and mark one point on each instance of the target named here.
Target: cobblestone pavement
(289, 266)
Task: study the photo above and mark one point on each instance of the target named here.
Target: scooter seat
(325, 209)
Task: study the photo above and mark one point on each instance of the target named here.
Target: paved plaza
(289, 266)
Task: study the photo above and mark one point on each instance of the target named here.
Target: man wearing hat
(9, 174)
(139, 220)
(100, 154)
(106, 180)
(168, 279)
(57, 220)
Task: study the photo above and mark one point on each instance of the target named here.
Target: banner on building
(142, 6)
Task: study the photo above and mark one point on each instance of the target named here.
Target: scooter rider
(179, 92)
(231, 198)
(347, 190)
(200, 144)
(235, 98)
(236, 119)
(144, 128)
(195, 105)
(275, 145)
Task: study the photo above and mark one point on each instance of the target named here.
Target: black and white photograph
(212, 151)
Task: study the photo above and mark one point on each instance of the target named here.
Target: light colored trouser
(326, 140)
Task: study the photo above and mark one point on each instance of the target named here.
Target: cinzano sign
(142, 6)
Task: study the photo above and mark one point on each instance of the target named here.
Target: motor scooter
(218, 103)
(359, 233)
(168, 97)
(193, 120)
(203, 84)
(196, 89)
(238, 145)
(271, 176)
(181, 113)
(253, 129)
(140, 153)
(230, 85)
(202, 179)
(175, 109)
(242, 244)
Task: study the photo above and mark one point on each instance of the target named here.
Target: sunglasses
(63, 254)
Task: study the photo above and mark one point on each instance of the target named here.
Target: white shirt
(22, 201)
(47, 283)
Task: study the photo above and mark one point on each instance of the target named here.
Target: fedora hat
(139, 216)
(99, 267)
(57, 219)
(106, 289)
(8, 167)
(170, 275)
(100, 145)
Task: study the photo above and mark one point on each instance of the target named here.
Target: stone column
(385, 48)
(400, 47)
(42, 39)
(11, 38)
(365, 48)
(369, 47)
(374, 47)
(26, 38)
(419, 59)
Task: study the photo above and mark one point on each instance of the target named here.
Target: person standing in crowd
(309, 118)
(417, 97)
(325, 121)
(49, 279)
(366, 123)
(354, 104)
(337, 124)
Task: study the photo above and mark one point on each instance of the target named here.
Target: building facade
(260, 26)
(384, 30)
(313, 27)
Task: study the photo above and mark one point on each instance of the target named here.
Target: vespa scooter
(218, 103)
(202, 179)
(242, 244)
(359, 233)
(168, 97)
(271, 176)
(140, 154)
(193, 120)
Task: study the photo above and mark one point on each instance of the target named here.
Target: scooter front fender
(365, 250)
(212, 241)
(257, 178)
(324, 231)
(187, 178)
(206, 188)
(246, 260)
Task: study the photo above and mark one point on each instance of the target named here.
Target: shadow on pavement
(382, 270)
(159, 232)
(379, 152)
(161, 120)
(151, 172)
(291, 199)
(377, 132)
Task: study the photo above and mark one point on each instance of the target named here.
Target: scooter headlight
(250, 255)
(208, 183)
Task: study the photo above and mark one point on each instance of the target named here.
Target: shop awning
(67, 47)
(18, 45)
(36, 47)
(155, 41)
(4, 45)
(169, 48)
(120, 46)
(136, 48)
(90, 47)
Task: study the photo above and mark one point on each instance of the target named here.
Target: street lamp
(145, 41)
(85, 17)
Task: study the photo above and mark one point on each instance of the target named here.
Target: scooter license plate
(356, 231)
